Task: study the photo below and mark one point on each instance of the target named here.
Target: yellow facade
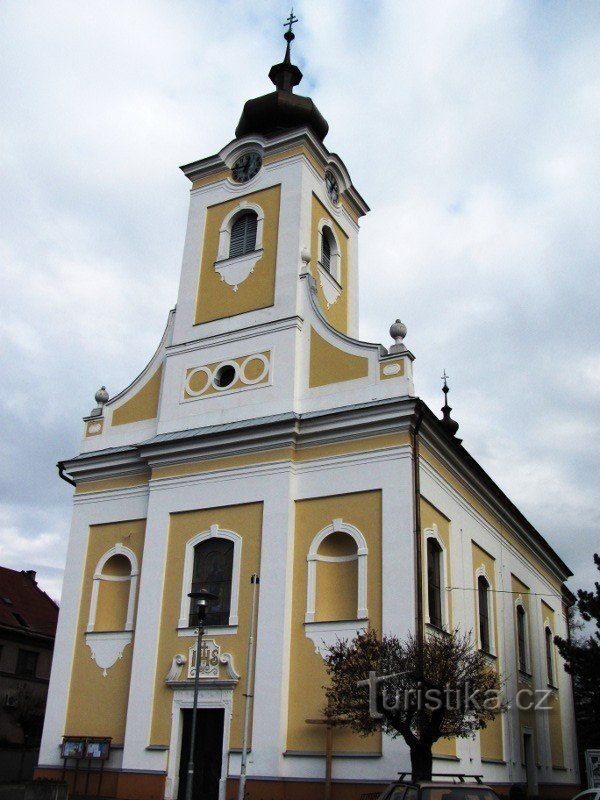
(216, 299)
(246, 521)
(143, 405)
(307, 668)
(336, 314)
(330, 364)
(98, 703)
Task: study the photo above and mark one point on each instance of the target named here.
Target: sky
(470, 128)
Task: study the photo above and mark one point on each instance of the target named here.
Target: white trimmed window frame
(481, 572)
(234, 270)
(117, 550)
(433, 533)
(313, 557)
(228, 222)
(214, 532)
(527, 654)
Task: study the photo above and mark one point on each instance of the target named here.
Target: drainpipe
(62, 474)
(419, 622)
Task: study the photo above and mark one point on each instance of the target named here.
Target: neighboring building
(28, 620)
(263, 437)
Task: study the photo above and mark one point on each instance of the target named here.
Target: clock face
(333, 190)
(246, 167)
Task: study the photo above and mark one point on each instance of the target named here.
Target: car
(448, 787)
(588, 794)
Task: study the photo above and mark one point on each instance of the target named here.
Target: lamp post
(203, 599)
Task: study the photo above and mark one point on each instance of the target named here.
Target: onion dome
(282, 109)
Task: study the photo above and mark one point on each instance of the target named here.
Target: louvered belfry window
(326, 250)
(243, 234)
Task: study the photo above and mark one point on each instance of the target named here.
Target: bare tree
(445, 689)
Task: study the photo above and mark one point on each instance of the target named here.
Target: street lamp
(202, 599)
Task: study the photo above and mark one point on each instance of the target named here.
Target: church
(263, 438)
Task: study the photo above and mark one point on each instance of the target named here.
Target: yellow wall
(554, 715)
(216, 299)
(336, 314)
(307, 670)
(112, 606)
(97, 704)
(491, 737)
(329, 364)
(527, 717)
(430, 516)
(470, 498)
(143, 404)
(245, 520)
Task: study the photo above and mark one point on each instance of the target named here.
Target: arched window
(549, 655)
(212, 561)
(522, 638)
(483, 589)
(243, 234)
(337, 575)
(434, 581)
(113, 591)
(329, 252)
(212, 571)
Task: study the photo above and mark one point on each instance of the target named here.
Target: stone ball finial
(398, 331)
(101, 396)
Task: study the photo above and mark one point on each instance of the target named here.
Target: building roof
(24, 606)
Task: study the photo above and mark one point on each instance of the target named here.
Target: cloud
(470, 128)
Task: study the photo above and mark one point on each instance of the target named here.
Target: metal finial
(291, 20)
(289, 35)
(450, 424)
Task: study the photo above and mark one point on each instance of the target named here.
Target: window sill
(330, 286)
(209, 630)
(235, 270)
(324, 634)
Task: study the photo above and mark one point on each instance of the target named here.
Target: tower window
(484, 613)
(434, 581)
(326, 254)
(213, 568)
(243, 234)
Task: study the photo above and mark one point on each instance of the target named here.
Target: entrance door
(208, 753)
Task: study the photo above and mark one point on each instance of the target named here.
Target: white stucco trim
(183, 699)
(188, 567)
(117, 550)
(336, 255)
(337, 526)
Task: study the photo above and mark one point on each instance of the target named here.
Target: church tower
(263, 438)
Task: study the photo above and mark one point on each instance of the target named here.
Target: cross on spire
(289, 22)
(445, 378)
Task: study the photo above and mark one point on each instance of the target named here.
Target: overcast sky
(471, 128)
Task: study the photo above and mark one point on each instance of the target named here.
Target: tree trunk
(421, 761)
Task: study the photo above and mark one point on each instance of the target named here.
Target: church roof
(282, 109)
(24, 606)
